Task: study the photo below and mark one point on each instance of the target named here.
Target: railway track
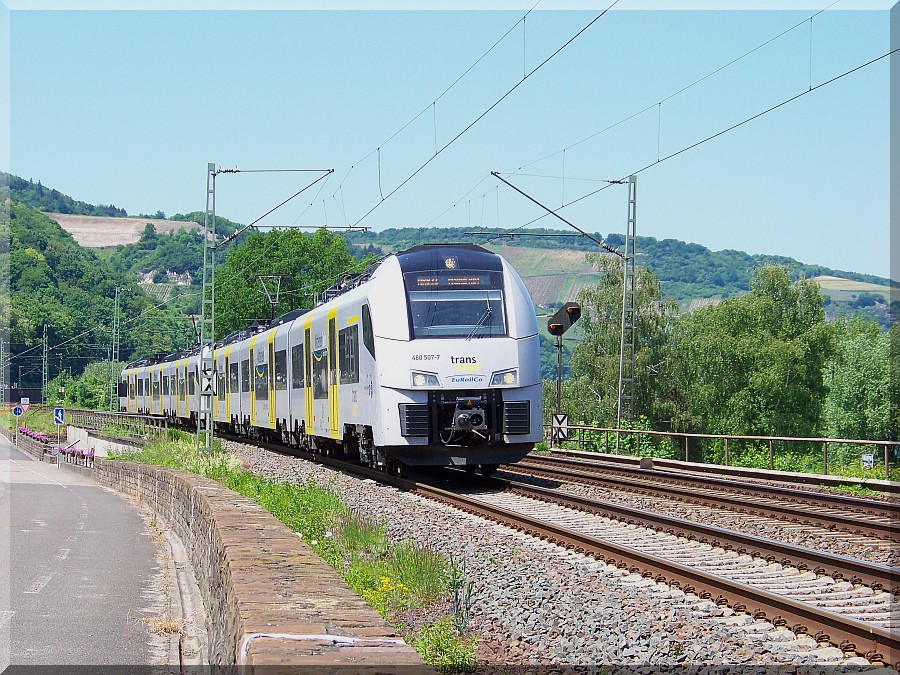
(731, 569)
(854, 515)
(823, 597)
(844, 602)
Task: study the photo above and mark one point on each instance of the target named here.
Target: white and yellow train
(430, 358)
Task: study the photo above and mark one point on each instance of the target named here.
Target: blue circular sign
(17, 411)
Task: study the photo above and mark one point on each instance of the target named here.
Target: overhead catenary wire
(717, 134)
(692, 84)
(488, 110)
(433, 104)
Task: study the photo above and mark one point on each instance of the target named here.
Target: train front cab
(459, 370)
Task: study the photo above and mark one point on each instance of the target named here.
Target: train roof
(417, 258)
(448, 256)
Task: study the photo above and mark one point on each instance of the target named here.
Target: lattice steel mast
(207, 318)
(625, 404)
(205, 420)
(114, 356)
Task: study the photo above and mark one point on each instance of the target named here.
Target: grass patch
(37, 419)
(413, 587)
(860, 490)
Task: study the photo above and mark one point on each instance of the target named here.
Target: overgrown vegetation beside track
(37, 419)
(410, 586)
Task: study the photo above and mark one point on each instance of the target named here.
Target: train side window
(131, 387)
(141, 387)
(234, 378)
(156, 386)
(192, 383)
(281, 369)
(220, 383)
(165, 385)
(368, 335)
(348, 354)
(245, 376)
(297, 367)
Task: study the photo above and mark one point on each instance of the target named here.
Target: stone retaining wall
(270, 600)
(27, 445)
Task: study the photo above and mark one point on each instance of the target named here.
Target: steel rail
(802, 511)
(886, 509)
(876, 643)
(874, 575)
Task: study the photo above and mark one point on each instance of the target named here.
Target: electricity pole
(208, 299)
(625, 405)
(207, 315)
(3, 393)
(114, 354)
(44, 369)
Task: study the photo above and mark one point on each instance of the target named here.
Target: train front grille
(516, 417)
(414, 419)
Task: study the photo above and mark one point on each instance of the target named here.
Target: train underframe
(461, 430)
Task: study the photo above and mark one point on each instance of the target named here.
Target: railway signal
(558, 324)
(562, 321)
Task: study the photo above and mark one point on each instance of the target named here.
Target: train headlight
(424, 379)
(505, 378)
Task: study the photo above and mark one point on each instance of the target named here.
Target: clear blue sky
(127, 107)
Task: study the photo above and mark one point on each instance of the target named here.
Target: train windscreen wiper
(480, 322)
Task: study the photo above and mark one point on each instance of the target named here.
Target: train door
(333, 411)
(182, 392)
(216, 396)
(308, 389)
(227, 386)
(271, 420)
(260, 395)
(250, 381)
(156, 392)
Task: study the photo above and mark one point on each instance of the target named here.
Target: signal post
(558, 324)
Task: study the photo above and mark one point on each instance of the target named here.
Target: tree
(149, 237)
(858, 404)
(592, 390)
(311, 263)
(753, 364)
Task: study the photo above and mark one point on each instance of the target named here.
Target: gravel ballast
(536, 604)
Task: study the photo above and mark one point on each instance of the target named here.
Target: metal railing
(120, 424)
(720, 448)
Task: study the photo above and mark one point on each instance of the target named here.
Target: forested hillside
(686, 270)
(54, 281)
(42, 198)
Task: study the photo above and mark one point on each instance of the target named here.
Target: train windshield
(456, 304)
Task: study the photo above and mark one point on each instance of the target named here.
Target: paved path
(82, 570)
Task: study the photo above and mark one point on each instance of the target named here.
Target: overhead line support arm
(603, 244)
